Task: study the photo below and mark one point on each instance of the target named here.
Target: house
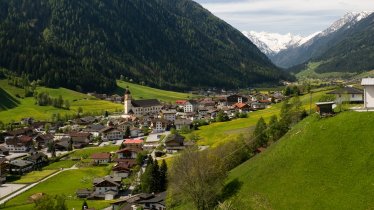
(242, 107)
(130, 202)
(101, 158)
(140, 107)
(159, 125)
(134, 143)
(325, 108)
(169, 115)
(257, 106)
(368, 84)
(190, 106)
(348, 94)
(94, 129)
(128, 153)
(112, 133)
(106, 188)
(83, 193)
(122, 169)
(19, 144)
(42, 140)
(180, 123)
(19, 132)
(38, 159)
(174, 143)
(63, 144)
(3, 169)
(19, 166)
(233, 99)
(80, 139)
(4, 151)
(156, 202)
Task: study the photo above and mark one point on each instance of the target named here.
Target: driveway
(7, 189)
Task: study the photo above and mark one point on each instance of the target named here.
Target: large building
(368, 84)
(140, 107)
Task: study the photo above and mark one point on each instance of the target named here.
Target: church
(140, 107)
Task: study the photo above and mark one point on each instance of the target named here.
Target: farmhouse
(19, 144)
(101, 158)
(174, 143)
(20, 166)
(348, 94)
(140, 107)
(368, 84)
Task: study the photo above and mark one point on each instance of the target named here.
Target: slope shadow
(7, 101)
(231, 189)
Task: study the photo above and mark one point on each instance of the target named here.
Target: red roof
(25, 139)
(100, 156)
(180, 102)
(264, 101)
(133, 141)
(240, 105)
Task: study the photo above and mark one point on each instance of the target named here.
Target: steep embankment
(319, 164)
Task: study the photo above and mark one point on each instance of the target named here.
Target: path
(7, 198)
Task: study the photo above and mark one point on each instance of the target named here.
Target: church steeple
(127, 102)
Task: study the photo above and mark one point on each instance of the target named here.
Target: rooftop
(367, 81)
(347, 90)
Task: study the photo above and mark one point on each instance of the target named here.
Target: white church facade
(140, 107)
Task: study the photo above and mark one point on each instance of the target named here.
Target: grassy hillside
(319, 164)
(14, 108)
(144, 92)
(217, 133)
(310, 72)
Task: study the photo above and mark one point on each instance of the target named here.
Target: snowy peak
(346, 21)
(272, 43)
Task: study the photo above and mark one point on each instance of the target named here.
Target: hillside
(164, 43)
(319, 164)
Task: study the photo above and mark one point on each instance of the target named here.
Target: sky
(298, 17)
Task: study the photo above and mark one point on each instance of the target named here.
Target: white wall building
(141, 107)
(368, 84)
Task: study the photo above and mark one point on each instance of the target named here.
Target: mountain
(85, 45)
(273, 43)
(320, 43)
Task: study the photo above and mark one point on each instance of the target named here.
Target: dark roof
(146, 103)
(20, 163)
(347, 90)
(159, 198)
(174, 137)
(36, 156)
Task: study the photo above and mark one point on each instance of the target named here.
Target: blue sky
(302, 17)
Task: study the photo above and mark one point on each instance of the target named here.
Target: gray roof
(146, 103)
(347, 90)
(20, 163)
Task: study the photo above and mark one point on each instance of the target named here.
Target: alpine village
(161, 104)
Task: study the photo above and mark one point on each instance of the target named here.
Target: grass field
(65, 183)
(60, 164)
(13, 108)
(34, 176)
(310, 72)
(217, 133)
(319, 164)
(144, 92)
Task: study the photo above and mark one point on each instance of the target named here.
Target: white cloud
(282, 16)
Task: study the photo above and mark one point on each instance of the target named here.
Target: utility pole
(310, 104)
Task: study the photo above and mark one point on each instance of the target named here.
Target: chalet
(122, 169)
(242, 107)
(106, 188)
(134, 143)
(368, 84)
(156, 202)
(169, 115)
(131, 202)
(63, 144)
(174, 143)
(190, 106)
(19, 166)
(258, 106)
(86, 120)
(180, 123)
(128, 153)
(348, 94)
(42, 140)
(101, 158)
(180, 102)
(94, 129)
(233, 99)
(19, 144)
(38, 159)
(140, 107)
(3, 169)
(84, 193)
(19, 132)
(80, 139)
(123, 125)
(112, 133)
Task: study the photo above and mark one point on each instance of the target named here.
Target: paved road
(2, 201)
(7, 189)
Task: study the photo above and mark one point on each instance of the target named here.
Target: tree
(47, 127)
(163, 176)
(260, 134)
(146, 179)
(70, 146)
(127, 132)
(273, 129)
(155, 179)
(56, 202)
(84, 205)
(67, 104)
(198, 177)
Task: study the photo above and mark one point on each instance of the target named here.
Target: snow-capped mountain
(272, 43)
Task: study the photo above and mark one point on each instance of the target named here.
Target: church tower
(127, 103)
